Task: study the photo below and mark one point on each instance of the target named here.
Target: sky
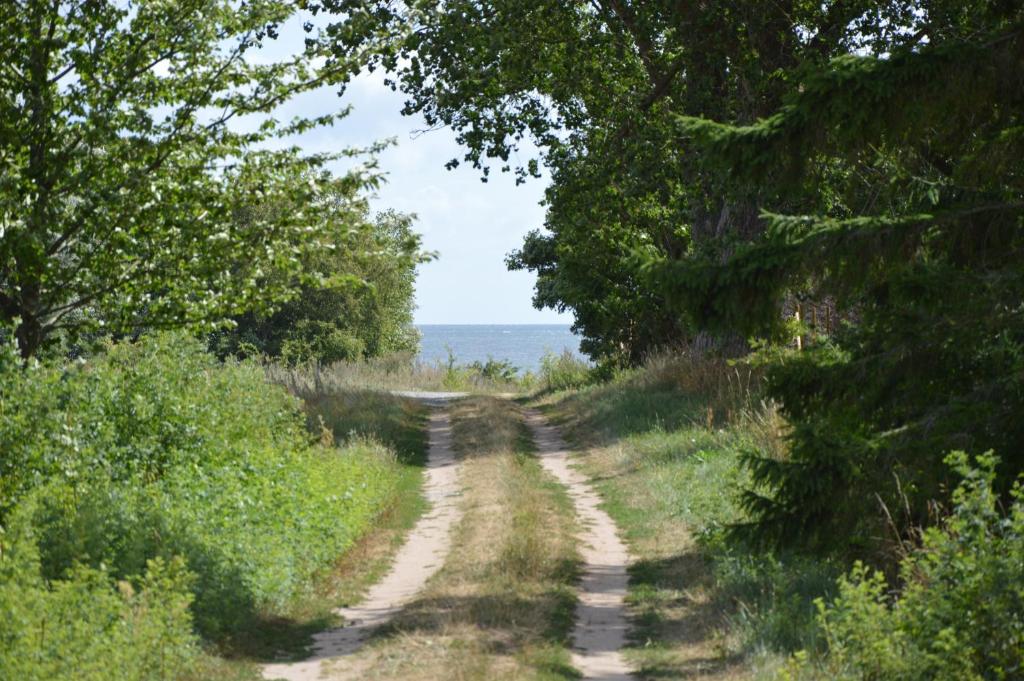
(471, 225)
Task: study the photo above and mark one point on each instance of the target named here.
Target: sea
(523, 345)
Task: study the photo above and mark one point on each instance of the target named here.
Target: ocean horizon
(523, 345)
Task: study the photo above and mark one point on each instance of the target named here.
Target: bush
(960, 614)
(83, 626)
(495, 370)
(154, 451)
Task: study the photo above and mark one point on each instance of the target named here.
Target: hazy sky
(471, 224)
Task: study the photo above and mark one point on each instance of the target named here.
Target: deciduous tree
(121, 165)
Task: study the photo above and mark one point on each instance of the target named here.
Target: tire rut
(417, 560)
(601, 623)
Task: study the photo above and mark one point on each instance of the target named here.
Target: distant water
(521, 344)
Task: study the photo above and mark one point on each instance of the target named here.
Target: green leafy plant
(156, 450)
(960, 612)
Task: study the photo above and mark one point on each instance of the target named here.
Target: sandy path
(419, 558)
(600, 631)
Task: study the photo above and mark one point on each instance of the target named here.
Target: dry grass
(501, 607)
(393, 372)
(725, 387)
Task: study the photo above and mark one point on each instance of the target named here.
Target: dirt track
(419, 558)
(601, 625)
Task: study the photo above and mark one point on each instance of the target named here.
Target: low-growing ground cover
(159, 506)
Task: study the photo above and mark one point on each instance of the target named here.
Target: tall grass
(403, 371)
(400, 372)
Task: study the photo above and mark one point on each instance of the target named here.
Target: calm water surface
(521, 344)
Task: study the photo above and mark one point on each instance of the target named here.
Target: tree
(923, 235)
(121, 173)
(596, 86)
(360, 302)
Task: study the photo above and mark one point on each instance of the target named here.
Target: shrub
(155, 450)
(83, 626)
(960, 614)
(495, 370)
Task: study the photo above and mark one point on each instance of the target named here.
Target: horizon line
(492, 323)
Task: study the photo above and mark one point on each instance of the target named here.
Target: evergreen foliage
(921, 238)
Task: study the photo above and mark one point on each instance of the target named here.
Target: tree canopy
(596, 87)
(121, 173)
(360, 303)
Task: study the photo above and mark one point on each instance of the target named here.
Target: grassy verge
(501, 606)
(397, 428)
(168, 515)
(663, 446)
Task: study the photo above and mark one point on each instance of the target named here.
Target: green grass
(663, 445)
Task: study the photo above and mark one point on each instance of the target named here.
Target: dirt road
(601, 625)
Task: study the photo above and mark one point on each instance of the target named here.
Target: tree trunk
(29, 335)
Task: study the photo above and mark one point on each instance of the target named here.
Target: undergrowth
(157, 503)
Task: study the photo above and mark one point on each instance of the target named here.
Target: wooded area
(828, 195)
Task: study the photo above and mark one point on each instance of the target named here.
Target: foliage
(402, 371)
(920, 239)
(155, 450)
(564, 371)
(960, 614)
(495, 370)
(122, 173)
(360, 304)
(597, 87)
(82, 626)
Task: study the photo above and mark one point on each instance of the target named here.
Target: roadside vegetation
(161, 509)
(402, 371)
(501, 606)
(666, 445)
